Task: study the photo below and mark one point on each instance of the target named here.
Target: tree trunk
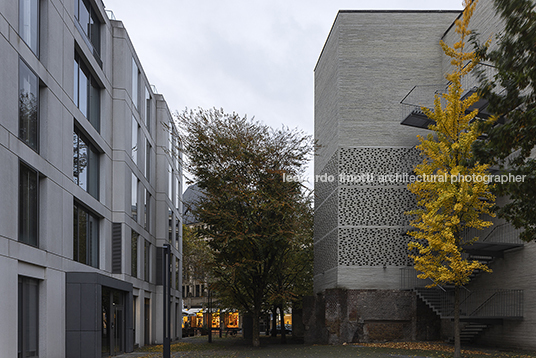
(274, 322)
(282, 323)
(457, 342)
(256, 340)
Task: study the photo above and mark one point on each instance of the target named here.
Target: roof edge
(380, 11)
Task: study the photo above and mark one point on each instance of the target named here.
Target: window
(85, 164)
(135, 130)
(170, 226)
(86, 92)
(89, 25)
(147, 209)
(28, 205)
(146, 261)
(28, 106)
(29, 24)
(28, 317)
(177, 233)
(170, 183)
(177, 272)
(85, 237)
(135, 83)
(177, 192)
(134, 254)
(134, 197)
(148, 149)
(148, 109)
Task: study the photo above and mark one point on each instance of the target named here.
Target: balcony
(423, 96)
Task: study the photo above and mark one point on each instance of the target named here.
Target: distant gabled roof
(190, 198)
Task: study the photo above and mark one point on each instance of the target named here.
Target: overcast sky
(253, 57)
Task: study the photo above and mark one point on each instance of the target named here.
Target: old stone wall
(336, 316)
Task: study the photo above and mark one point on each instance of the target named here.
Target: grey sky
(253, 57)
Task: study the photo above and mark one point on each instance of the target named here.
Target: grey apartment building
(375, 71)
(90, 186)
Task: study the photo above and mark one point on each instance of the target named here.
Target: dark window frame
(90, 240)
(32, 240)
(93, 163)
(37, 25)
(134, 253)
(31, 140)
(90, 27)
(92, 110)
(25, 317)
(147, 261)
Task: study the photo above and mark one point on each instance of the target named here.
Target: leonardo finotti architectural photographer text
(407, 178)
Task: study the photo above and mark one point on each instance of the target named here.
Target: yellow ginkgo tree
(453, 195)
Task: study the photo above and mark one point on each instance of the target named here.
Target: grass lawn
(238, 348)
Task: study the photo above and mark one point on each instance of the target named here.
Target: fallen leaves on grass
(422, 346)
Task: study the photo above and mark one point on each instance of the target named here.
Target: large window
(148, 149)
(147, 209)
(89, 24)
(134, 197)
(29, 23)
(85, 236)
(85, 164)
(134, 254)
(28, 317)
(86, 92)
(135, 129)
(28, 106)
(135, 83)
(147, 261)
(28, 205)
(147, 110)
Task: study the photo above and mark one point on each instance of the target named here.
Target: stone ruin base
(337, 316)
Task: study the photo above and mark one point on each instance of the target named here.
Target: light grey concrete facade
(126, 154)
(372, 62)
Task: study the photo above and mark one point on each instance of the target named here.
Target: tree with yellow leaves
(447, 207)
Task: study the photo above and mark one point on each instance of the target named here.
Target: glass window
(86, 94)
(148, 109)
(177, 233)
(89, 24)
(134, 197)
(146, 260)
(29, 23)
(85, 237)
(28, 205)
(148, 149)
(147, 207)
(170, 226)
(85, 164)
(135, 83)
(177, 192)
(135, 130)
(177, 272)
(28, 106)
(28, 317)
(134, 254)
(170, 183)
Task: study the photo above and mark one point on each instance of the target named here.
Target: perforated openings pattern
(324, 188)
(326, 217)
(326, 253)
(373, 247)
(377, 161)
(374, 206)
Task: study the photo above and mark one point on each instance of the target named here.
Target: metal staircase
(479, 308)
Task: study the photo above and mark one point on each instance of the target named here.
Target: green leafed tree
(450, 197)
(249, 212)
(511, 93)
